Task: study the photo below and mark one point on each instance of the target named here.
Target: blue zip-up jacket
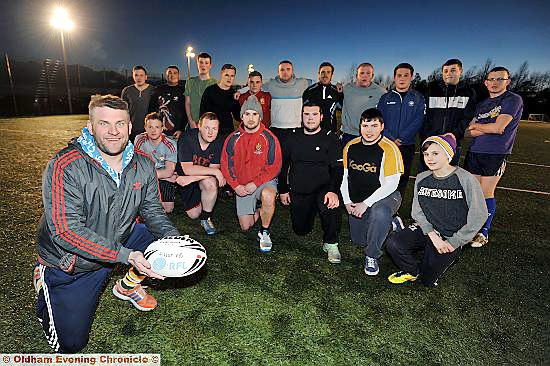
(403, 117)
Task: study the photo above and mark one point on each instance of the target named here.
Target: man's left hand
(251, 187)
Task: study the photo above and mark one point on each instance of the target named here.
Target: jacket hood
(88, 144)
(291, 82)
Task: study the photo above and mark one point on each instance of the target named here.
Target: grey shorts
(247, 205)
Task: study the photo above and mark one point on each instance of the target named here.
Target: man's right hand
(285, 198)
(221, 179)
(138, 261)
(192, 124)
(237, 95)
(241, 190)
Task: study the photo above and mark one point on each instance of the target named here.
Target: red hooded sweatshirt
(251, 157)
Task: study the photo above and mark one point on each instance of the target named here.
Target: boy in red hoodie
(251, 161)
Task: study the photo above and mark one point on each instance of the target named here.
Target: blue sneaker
(208, 226)
(371, 266)
(397, 224)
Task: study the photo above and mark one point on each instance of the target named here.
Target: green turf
(291, 307)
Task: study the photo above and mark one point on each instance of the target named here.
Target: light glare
(60, 20)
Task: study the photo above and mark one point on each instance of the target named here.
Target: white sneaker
(333, 254)
(265, 241)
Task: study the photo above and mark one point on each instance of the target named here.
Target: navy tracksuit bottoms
(67, 303)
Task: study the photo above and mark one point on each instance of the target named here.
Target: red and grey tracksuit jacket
(251, 157)
(87, 217)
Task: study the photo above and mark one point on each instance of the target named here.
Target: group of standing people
(286, 146)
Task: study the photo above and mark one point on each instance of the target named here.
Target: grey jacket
(87, 217)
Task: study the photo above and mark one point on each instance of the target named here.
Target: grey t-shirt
(356, 101)
(453, 206)
(138, 102)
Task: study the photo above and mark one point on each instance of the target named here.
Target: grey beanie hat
(253, 104)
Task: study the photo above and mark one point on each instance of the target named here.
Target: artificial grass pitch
(291, 306)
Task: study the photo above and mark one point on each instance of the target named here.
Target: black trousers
(407, 152)
(403, 248)
(303, 209)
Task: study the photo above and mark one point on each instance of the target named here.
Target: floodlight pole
(188, 67)
(8, 65)
(189, 53)
(66, 72)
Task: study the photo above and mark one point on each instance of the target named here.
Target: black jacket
(169, 101)
(87, 217)
(449, 108)
(330, 100)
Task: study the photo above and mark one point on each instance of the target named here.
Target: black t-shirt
(170, 103)
(315, 163)
(215, 99)
(368, 165)
(189, 149)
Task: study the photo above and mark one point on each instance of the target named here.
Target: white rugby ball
(175, 256)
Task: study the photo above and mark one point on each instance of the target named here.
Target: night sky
(119, 34)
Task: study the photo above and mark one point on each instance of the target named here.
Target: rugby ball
(175, 256)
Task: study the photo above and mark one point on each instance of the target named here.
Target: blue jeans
(371, 230)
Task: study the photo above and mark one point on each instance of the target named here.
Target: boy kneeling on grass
(448, 209)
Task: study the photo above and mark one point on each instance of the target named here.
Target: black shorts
(486, 165)
(190, 196)
(167, 191)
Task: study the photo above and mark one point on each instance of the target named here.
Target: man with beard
(251, 161)
(313, 152)
(92, 191)
(286, 99)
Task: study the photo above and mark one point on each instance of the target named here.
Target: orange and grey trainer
(137, 296)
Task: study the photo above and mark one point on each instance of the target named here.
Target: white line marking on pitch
(524, 190)
(516, 162)
(538, 165)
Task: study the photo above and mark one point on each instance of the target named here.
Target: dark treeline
(40, 86)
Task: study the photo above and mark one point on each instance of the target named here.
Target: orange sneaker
(137, 296)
